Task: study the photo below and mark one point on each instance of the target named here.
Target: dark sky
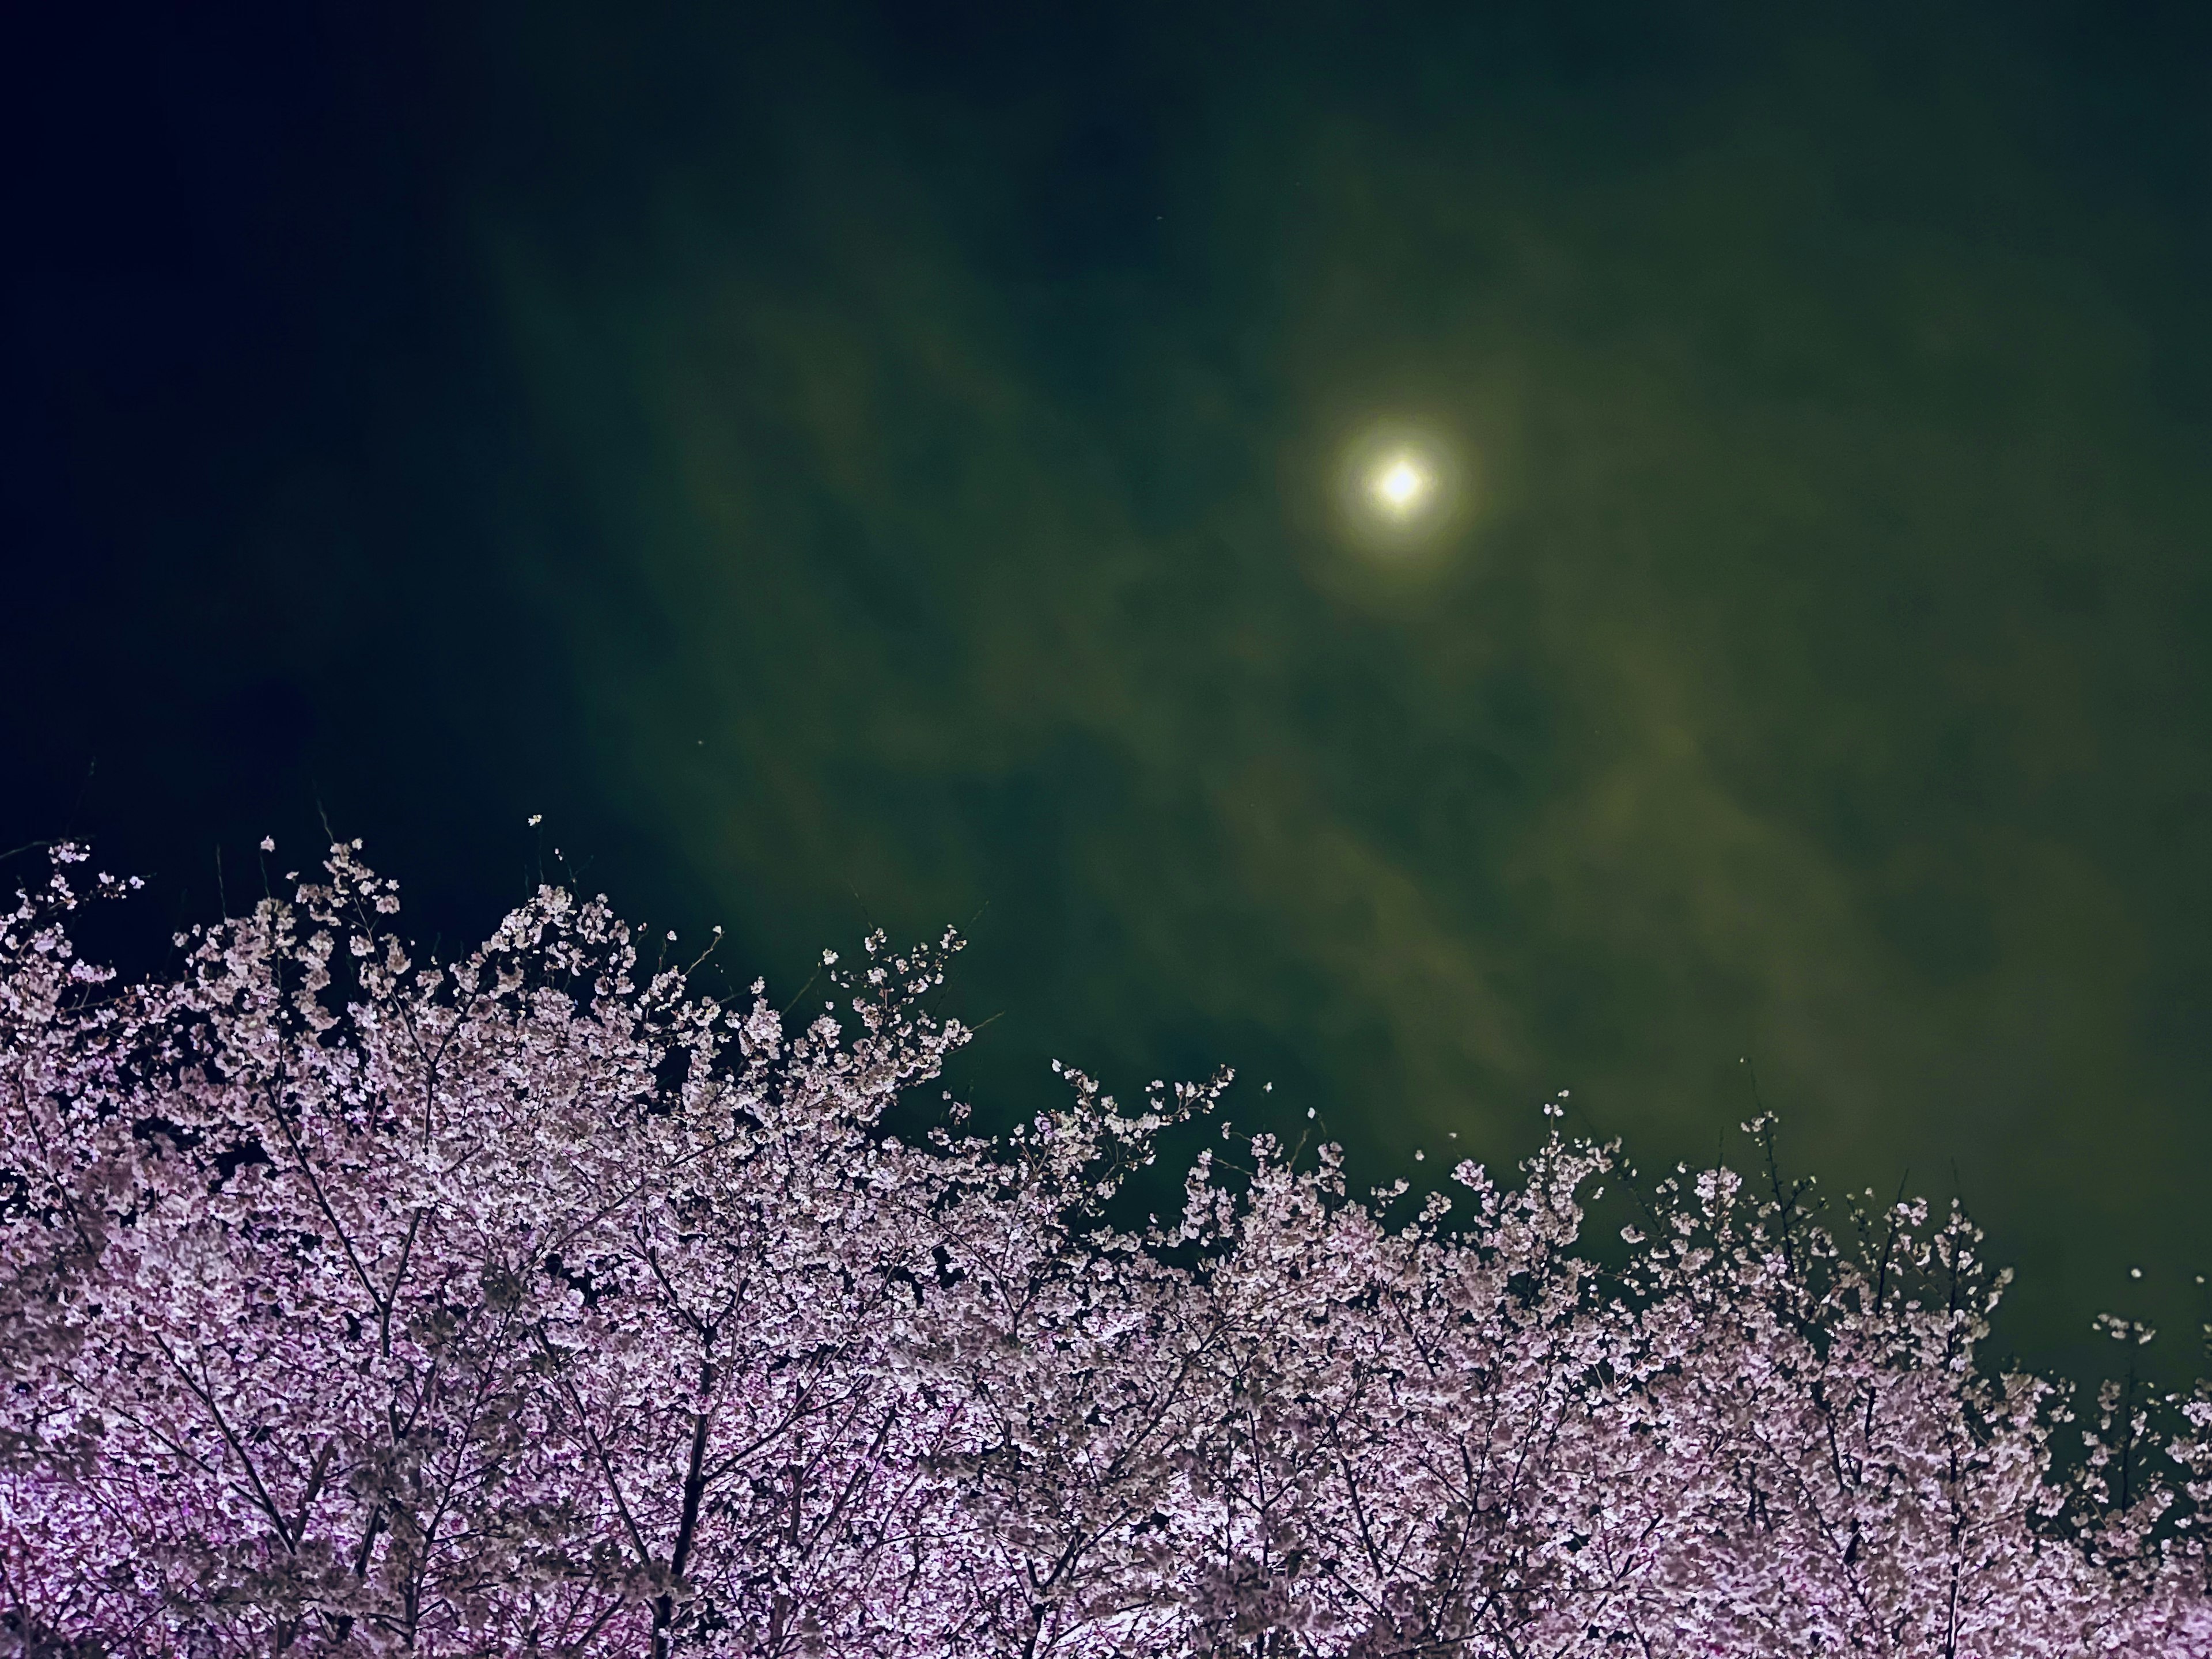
(850, 465)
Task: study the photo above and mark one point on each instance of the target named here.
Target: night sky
(850, 466)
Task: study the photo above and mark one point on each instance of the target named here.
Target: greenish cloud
(1816, 681)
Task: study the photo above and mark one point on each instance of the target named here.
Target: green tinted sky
(916, 442)
(1818, 680)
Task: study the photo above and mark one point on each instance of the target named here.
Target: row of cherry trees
(534, 1302)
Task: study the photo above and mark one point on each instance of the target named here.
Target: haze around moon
(1400, 491)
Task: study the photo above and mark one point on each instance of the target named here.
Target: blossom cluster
(536, 1301)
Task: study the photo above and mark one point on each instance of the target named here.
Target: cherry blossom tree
(356, 1303)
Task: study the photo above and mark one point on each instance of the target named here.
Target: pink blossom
(354, 1302)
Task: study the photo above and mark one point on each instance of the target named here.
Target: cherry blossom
(354, 1302)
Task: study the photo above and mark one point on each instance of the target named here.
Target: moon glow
(1400, 491)
(1401, 486)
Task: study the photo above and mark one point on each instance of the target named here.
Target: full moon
(1401, 485)
(1400, 491)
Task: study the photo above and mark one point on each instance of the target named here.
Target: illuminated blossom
(534, 1302)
